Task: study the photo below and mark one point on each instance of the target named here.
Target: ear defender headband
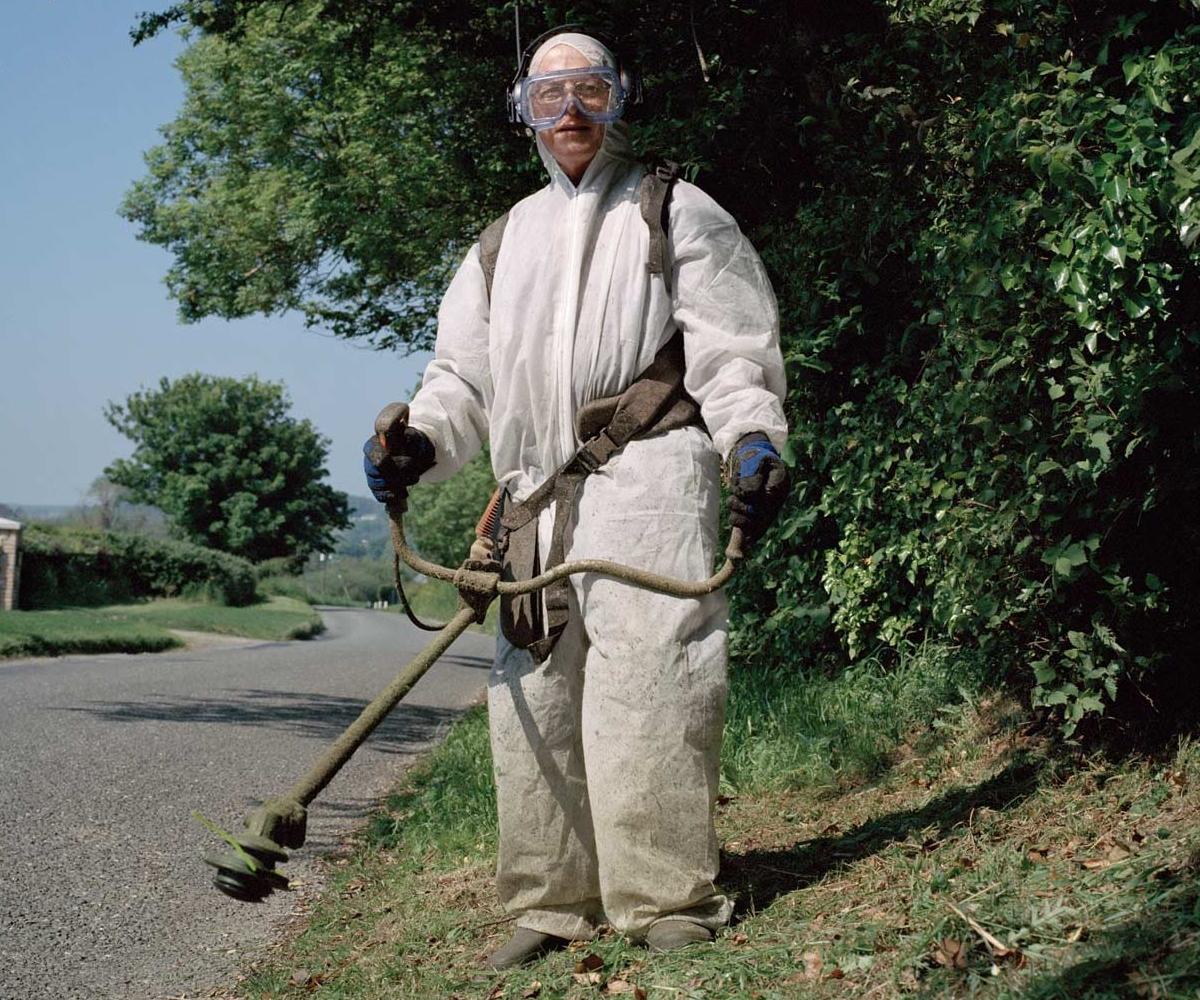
(630, 79)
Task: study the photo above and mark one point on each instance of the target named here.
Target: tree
(107, 506)
(441, 517)
(338, 158)
(228, 466)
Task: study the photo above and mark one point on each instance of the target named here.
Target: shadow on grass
(1155, 953)
(319, 716)
(758, 878)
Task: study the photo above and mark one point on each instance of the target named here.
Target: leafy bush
(992, 340)
(64, 566)
(341, 580)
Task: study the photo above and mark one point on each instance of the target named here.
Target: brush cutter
(247, 871)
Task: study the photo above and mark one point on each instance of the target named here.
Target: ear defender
(631, 79)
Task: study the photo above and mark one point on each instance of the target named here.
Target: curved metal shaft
(329, 763)
(639, 577)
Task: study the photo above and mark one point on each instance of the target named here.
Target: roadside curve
(105, 758)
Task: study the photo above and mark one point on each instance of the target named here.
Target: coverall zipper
(565, 338)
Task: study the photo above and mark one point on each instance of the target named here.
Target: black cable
(412, 616)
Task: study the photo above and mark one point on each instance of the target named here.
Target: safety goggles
(595, 92)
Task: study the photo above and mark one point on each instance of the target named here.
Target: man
(606, 753)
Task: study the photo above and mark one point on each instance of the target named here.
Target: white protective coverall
(606, 755)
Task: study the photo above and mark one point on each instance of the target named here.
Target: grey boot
(668, 935)
(524, 946)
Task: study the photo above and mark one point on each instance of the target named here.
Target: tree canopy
(981, 220)
(229, 467)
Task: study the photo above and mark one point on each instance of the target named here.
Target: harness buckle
(594, 453)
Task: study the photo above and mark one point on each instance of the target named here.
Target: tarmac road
(104, 758)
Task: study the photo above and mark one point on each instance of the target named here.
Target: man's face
(574, 141)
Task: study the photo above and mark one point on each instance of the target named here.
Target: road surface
(104, 758)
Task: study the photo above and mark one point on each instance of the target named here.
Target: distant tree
(441, 517)
(109, 507)
(228, 466)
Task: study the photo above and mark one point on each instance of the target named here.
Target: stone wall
(10, 564)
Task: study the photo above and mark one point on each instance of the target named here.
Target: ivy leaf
(1116, 188)
(1115, 253)
(1068, 559)
(1136, 308)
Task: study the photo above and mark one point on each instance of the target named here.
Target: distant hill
(369, 536)
(37, 512)
(134, 517)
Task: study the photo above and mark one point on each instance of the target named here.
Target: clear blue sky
(84, 314)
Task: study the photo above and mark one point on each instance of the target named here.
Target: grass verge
(144, 628)
(277, 618)
(78, 630)
(873, 853)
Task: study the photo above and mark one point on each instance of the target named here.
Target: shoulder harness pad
(654, 195)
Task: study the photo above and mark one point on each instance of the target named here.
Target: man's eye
(551, 93)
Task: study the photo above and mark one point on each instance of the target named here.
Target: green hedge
(74, 566)
(991, 298)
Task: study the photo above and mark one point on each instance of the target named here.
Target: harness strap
(489, 250)
(654, 193)
(654, 403)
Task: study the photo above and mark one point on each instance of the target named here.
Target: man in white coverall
(606, 753)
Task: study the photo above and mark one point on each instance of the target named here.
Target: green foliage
(306, 172)
(447, 803)
(796, 728)
(441, 517)
(994, 335)
(228, 465)
(277, 619)
(64, 566)
(78, 630)
(981, 220)
(341, 580)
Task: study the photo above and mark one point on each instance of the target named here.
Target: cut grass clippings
(962, 857)
(144, 628)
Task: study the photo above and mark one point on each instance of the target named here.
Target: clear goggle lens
(594, 91)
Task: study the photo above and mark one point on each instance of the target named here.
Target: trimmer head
(247, 872)
(249, 876)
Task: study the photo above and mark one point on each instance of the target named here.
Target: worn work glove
(390, 476)
(760, 485)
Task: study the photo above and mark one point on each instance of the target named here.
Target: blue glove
(760, 485)
(390, 476)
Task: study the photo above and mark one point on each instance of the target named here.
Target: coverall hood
(616, 145)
